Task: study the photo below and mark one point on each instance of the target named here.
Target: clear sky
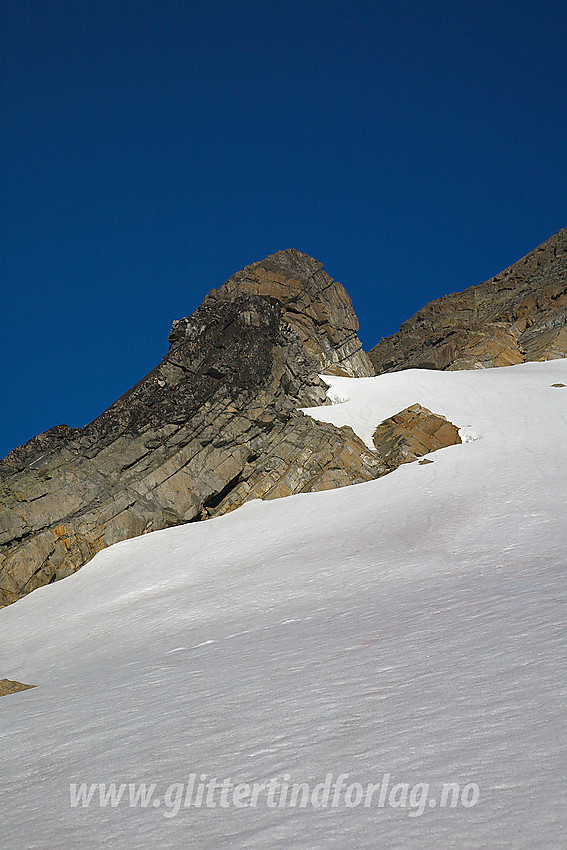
(151, 148)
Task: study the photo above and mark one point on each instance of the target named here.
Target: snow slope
(412, 626)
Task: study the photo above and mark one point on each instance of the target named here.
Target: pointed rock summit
(518, 315)
(214, 424)
(218, 423)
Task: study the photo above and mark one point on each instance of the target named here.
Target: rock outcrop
(519, 315)
(9, 687)
(214, 424)
(217, 422)
(411, 434)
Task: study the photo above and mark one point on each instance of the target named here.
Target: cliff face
(519, 315)
(214, 424)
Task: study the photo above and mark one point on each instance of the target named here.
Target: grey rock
(214, 424)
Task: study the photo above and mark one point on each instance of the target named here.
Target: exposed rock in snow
(406, 633)
(7, 686)
(412, 433)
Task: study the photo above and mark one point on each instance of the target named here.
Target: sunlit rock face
(218, 423)
(411, 434)
(519, 315)
(214, 424)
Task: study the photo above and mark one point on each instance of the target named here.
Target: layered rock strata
(411, 434)
(214, 424)
(518, 315)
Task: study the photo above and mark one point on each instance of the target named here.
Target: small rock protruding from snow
(7, 686)
(412, 433)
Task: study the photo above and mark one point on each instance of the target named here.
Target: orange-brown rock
(412, 433)
(9, 687)
(518, 315)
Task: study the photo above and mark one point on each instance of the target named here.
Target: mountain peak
(218, 422)
(215, 424)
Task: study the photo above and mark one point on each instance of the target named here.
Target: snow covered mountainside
(406, 632)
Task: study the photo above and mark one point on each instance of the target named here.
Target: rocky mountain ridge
(219, 412)
(218, 423)
(518, 315)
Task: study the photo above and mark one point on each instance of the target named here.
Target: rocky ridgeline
(217, 423)
(519, 315)
(214, 424)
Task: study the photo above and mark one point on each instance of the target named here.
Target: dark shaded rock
(519, 315)
(31, 451)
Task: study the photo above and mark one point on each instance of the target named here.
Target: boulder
(412, 433)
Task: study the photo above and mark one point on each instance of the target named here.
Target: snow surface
(412, 626)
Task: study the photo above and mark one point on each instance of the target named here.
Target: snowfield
(408, 632)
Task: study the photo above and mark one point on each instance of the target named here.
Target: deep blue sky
(150, 149)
